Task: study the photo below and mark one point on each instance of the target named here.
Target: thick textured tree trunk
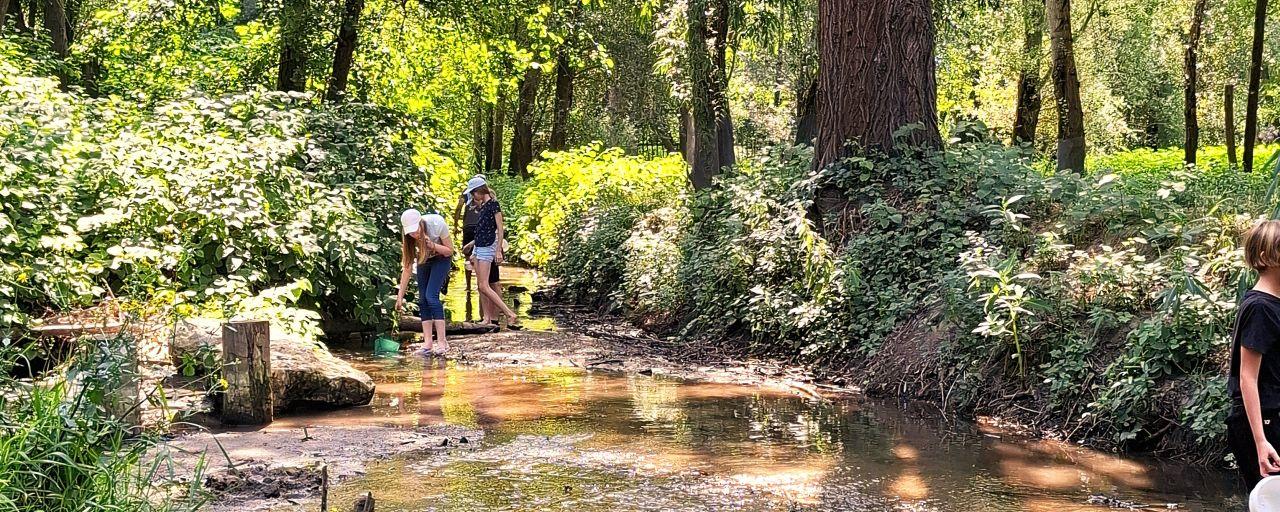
(522, 133)
(497, 133)
(1066, 88)
(1229, 122)
(294, 22)
(19, 21)
(348, 34)
(33, 14)
(709, 147)
(718, 21)
(563, 103)
(876, 74)
(807, 114)
(55, 23)
(1191, 142)
(1255, 80)
(1027, 117)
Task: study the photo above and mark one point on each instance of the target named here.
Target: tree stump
(365, 503)
(246, 366)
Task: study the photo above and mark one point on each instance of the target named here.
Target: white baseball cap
(410, 219)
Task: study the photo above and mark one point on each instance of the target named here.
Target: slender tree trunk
(4, 14)
(348, 34)
(480, 131)
(807, 114)
(1191, 141)
(294, 22)
(249, 10)
(1229, 122)
(33, 14)
(563, 103)
(522, 133)
(55, 22)
(90, 75)
(685, 120)
(497, 132)
(876, 74)
(19, 21)
(1027, 116)
(710, 143)
(1255, 80)
(1066, 88)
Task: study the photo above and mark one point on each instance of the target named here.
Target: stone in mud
(301, 372)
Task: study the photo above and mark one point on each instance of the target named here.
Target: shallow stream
(567, 438)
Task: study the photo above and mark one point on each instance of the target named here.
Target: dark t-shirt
(1257, 327)
(469, 216)
(487, 223)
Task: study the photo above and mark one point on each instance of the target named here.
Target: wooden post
(246, 366)
(324, 488)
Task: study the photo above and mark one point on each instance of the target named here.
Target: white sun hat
(473, 184)
(409, 220)
(1266, 495)
(436, 226)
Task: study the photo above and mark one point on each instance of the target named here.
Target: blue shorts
(486, 253)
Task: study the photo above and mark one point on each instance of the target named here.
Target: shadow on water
(567, 438)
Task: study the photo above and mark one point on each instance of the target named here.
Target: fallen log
(414, 324)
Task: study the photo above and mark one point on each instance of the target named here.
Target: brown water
(572, 439)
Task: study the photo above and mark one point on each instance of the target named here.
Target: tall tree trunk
(55, 22)
(522, 125)
(685, 120)
(1255, 80)
(33, 14)
(348, 34)
(807, 114)
(480, 131)
(90, 75)
(563, 103)
(249, 10)
(1027, 117)
(710, 142)
(1191, 141)
(19, 21)
(497, 130)
(1066, 88)
(876, 74)
(294, 22)
(1229, 122)
(4, 14)
(718, 21)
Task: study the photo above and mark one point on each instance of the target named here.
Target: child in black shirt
(1253, 425)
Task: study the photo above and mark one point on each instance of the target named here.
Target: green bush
(205, 202)
(1111, 295)
(576, 179)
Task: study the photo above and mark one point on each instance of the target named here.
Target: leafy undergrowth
(968, 275)
(257, 202)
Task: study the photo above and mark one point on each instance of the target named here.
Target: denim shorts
(486, 253)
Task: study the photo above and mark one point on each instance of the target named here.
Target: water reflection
(565, 438)
(462, 302)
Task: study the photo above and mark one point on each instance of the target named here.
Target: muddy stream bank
(576, 415)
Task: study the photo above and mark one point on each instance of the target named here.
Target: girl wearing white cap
(426, 247)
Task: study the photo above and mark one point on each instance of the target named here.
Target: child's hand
(497, 256)
(399, 304)
(1268, 460)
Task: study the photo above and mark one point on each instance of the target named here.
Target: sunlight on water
(564, 438)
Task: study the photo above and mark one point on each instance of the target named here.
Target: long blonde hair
(413, 249)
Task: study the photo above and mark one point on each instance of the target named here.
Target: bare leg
(482, 282)
(440, 339)
(487, 310)
(426, 336)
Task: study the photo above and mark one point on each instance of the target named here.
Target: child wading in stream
(486, 250)
(1254, 382)
(426, 247)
